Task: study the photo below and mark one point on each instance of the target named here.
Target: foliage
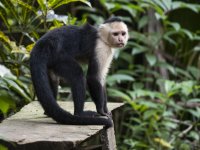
(12, 90)
(3, 147)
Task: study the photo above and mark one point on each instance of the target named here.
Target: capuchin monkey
(56, 55)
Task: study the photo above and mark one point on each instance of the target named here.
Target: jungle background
(157, 74)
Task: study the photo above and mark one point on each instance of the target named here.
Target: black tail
(48, 102)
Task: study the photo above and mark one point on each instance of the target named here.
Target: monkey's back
(67, 40)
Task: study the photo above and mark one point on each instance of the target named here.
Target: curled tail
(45, 97)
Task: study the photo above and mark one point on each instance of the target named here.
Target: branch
(185, 131)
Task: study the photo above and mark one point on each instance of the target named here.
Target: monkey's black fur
(56, 53)
(113, 19)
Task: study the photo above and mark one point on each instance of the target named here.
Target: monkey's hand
(108, 114)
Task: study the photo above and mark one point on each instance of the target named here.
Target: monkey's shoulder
(70, 32)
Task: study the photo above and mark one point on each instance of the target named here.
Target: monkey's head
(114, 32)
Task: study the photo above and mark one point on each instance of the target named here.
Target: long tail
(48, 102)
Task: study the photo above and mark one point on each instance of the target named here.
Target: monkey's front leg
(98, 96)
(105, 103)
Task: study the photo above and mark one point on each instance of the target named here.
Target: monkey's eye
(123, 33)
(115, 33)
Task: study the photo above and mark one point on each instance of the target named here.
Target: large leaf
(2, 147)
(179, 5)
(169, 86)
(43, 5)
(14, 85)
(3, 16)
(9, 5)
(143, 22)
(118, 78)
(5, 40)
(151, 59)
(139, 37)
(6, 101)
(117, 93)
(23, 4)
(56, 3)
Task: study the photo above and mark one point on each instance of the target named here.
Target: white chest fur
(104, 54)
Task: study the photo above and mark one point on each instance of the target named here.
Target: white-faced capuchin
(56, 54)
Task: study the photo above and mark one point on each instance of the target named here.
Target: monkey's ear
(103, 32)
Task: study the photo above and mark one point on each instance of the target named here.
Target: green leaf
(24, 5)
(117, 93)
(13, 84)
(194, 71)
(148, 104)
(4, 106)
(5, 40)
(4, 18)
(2, 147)
(161, 4)
(138, 48)
(195, 113)
(30, 47)
(175, 25)
(43, 5)
(196, 48)
(119, 78)
(168, 38)
(138, 85)
(149, 114)
(179, 5)
(169, 85)
(139, 37)
(126, 57)
(143, 22)
(187, 87)
(160, 16)
(185, 146)
(194, 100)
(188, 33)
(171, 69)
(183, 73)
(6, 101)
(151, 59)
(194, 135)
(137, 93)
(9, 5)
(170, 125)
(63, 2)
(167, 4)
(130, 10)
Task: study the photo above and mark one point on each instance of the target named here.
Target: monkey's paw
(108, 114)
(89, 114)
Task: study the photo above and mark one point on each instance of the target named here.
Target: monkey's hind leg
(54, 82)
(71, 71)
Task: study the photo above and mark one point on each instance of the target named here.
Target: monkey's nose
(120, 40)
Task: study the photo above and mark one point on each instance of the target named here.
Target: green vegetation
(157, 74)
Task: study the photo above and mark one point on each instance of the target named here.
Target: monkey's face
(118, 35)
(114, 34)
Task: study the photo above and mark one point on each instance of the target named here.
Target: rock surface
(30, 125)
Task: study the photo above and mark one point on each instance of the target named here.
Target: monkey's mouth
(120, 45)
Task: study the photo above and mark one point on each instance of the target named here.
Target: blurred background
(157, 74)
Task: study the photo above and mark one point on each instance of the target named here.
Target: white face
(115, 34)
